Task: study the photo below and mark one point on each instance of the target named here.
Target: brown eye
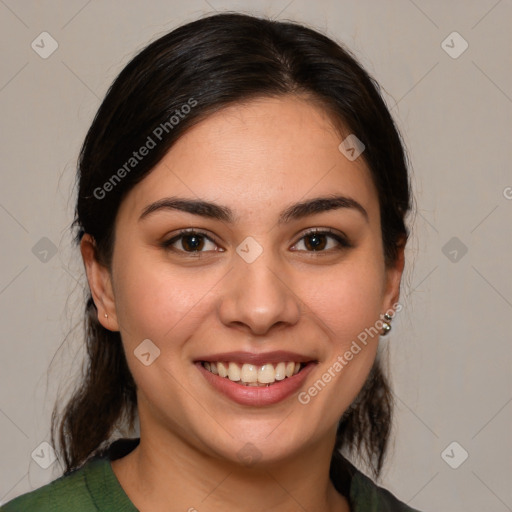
(315, 242)
(190, 242)
(323, 241)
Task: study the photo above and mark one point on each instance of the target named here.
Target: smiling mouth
(253, 375)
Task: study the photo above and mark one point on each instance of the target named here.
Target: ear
(393, 279)
(100, 284)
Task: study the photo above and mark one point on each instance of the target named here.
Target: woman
(242, 193)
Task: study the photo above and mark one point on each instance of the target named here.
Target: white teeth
(223, 371)
(234, 372)
(266, 374)
(249, 373)
(280, 371)
(253, 375)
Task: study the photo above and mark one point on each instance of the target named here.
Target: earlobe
(100, 284)
(393, 279)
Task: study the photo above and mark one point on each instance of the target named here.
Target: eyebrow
(223, 213)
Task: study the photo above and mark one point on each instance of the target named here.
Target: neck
(165, 472)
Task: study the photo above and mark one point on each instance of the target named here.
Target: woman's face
(255, 286)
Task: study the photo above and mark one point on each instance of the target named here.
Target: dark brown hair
(209, 64)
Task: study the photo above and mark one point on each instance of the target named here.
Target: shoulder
(367, 496)
(69, 492)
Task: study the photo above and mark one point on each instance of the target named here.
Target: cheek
(154, 302)
(348, 303)
(166, 307)
(347, 299)
(348, 306)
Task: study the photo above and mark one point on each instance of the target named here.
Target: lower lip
(254, 395)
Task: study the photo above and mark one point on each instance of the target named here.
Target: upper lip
(257, 359)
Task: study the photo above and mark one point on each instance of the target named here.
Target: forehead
(255, 157)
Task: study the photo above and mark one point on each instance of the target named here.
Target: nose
(258, 296)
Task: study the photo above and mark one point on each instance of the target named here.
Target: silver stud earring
(386, 324)
(106, 316)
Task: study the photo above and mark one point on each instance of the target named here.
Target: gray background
(450, 346)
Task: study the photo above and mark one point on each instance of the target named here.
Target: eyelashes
(196, 237)
(319, 235)
(194, 241)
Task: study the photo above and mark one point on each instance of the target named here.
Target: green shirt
(94, 487)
